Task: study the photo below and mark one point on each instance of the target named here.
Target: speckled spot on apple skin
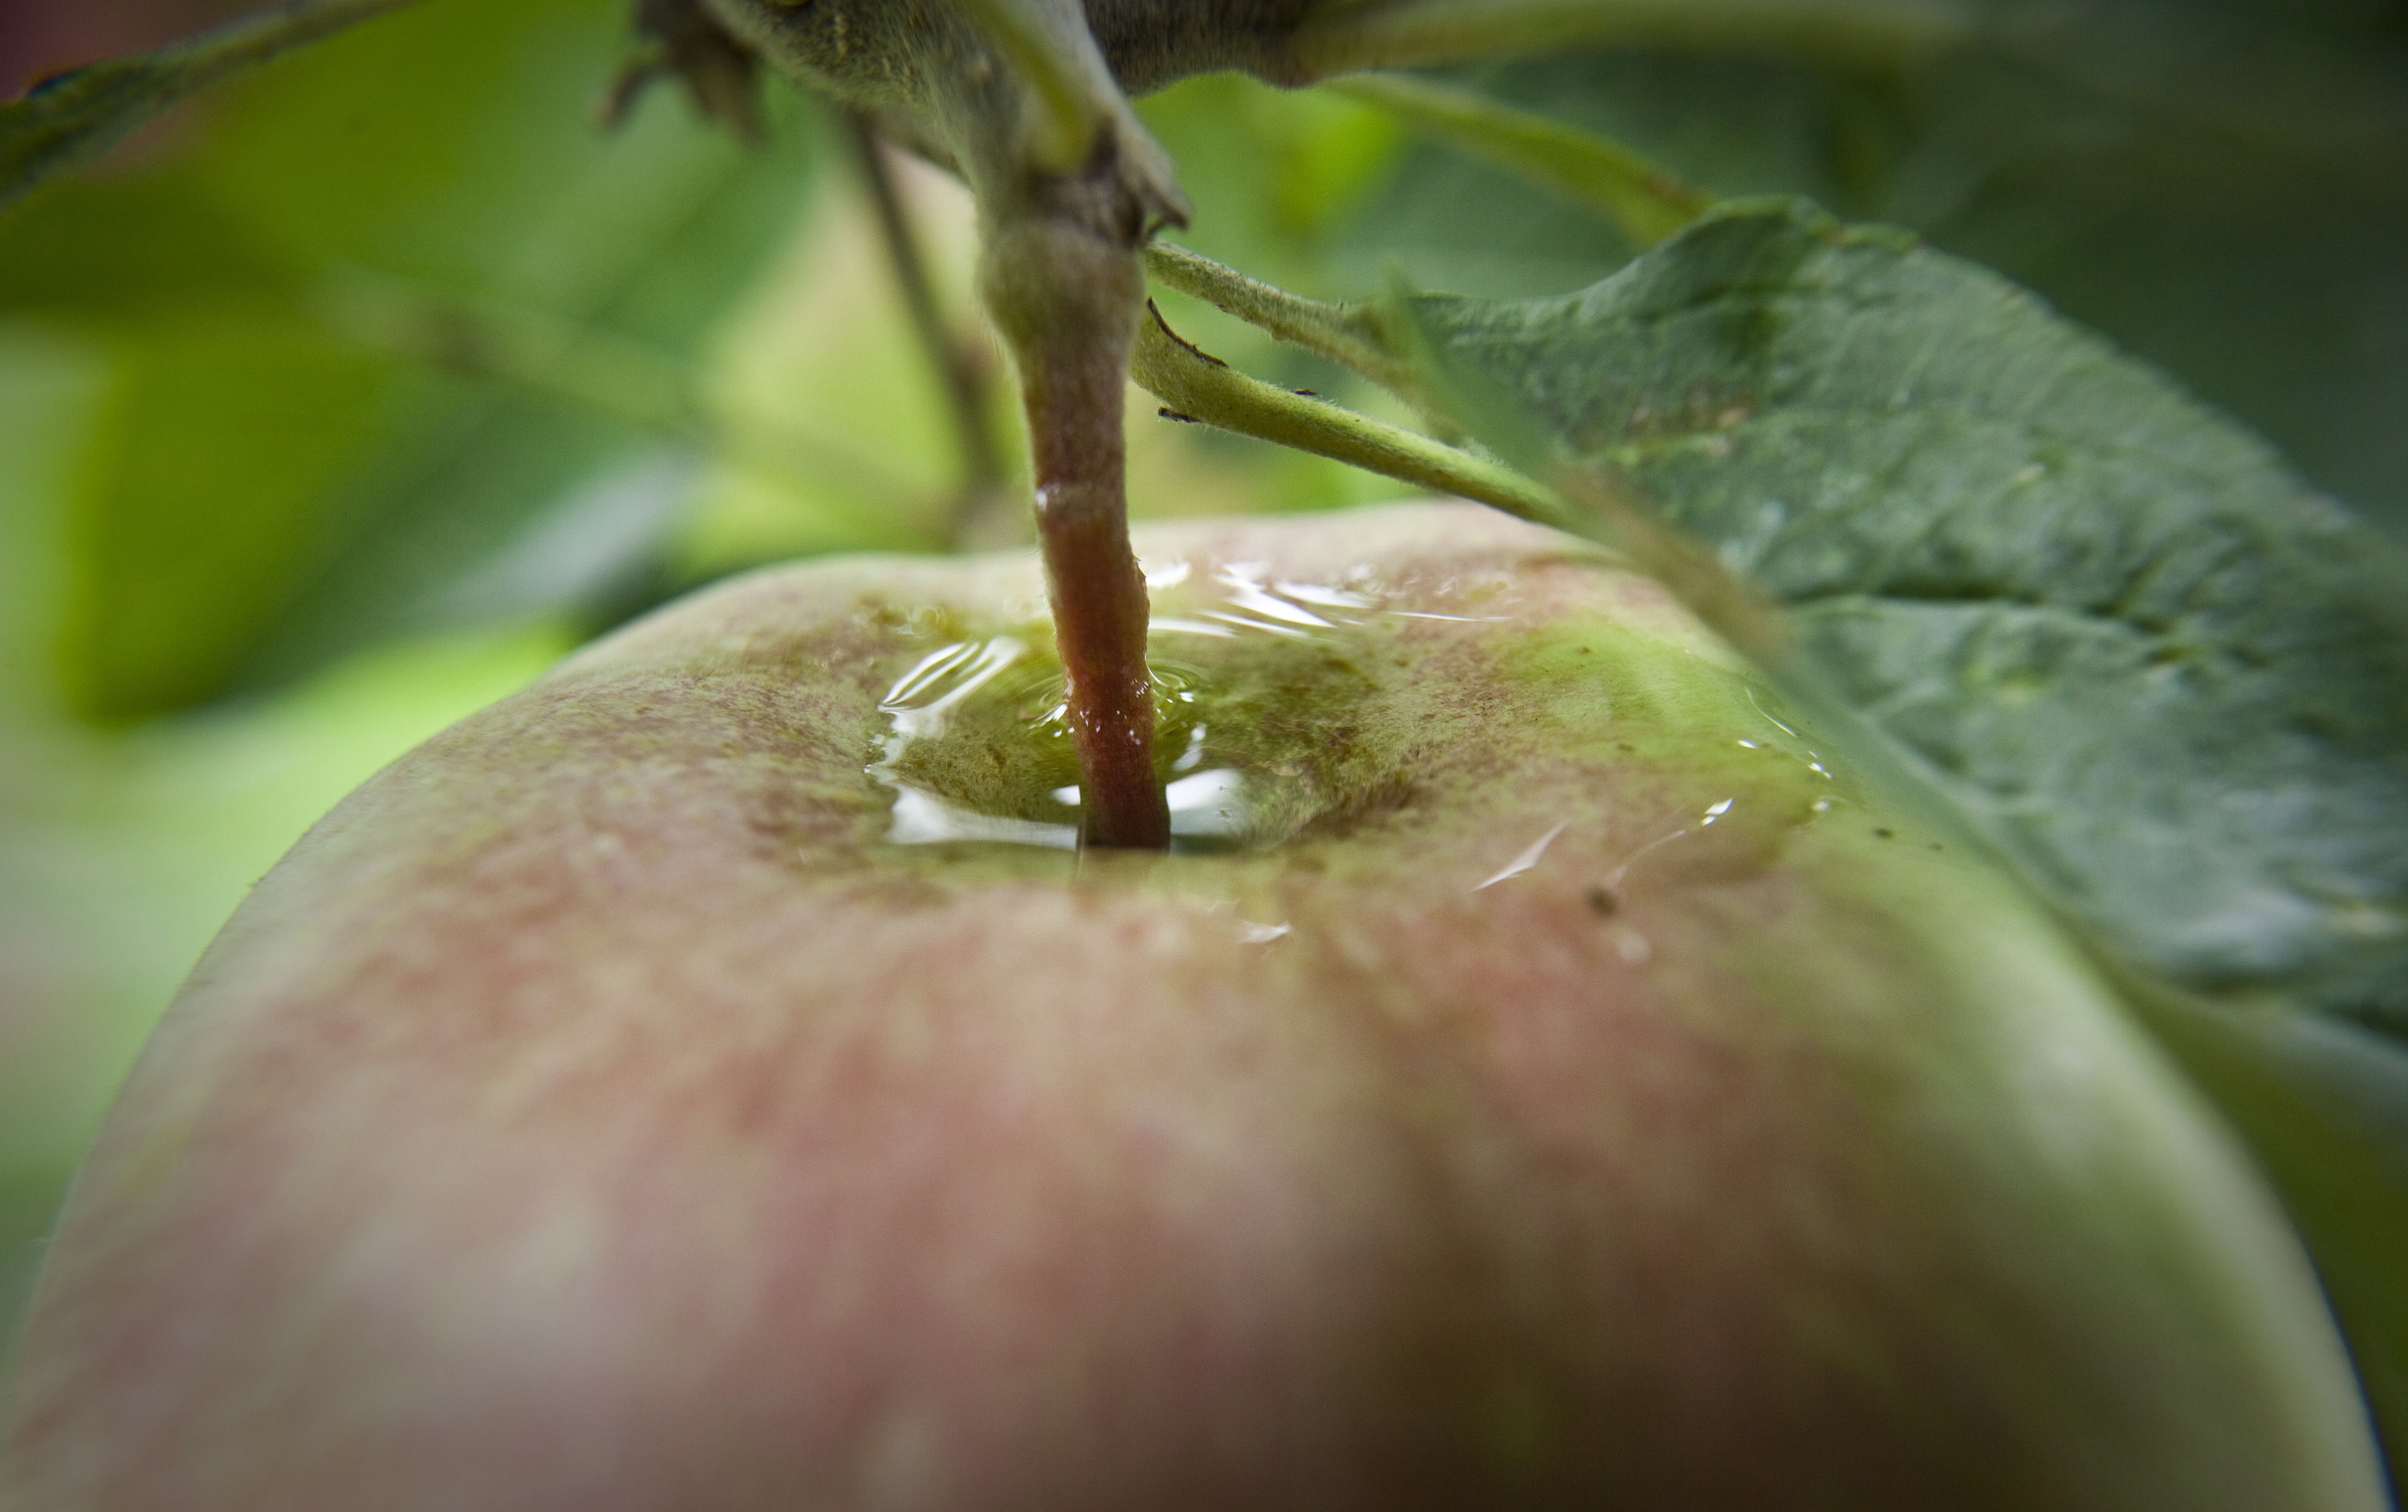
(483, 1166)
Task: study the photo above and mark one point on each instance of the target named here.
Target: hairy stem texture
(1066, 300)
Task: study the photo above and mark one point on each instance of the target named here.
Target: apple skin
(596, 1112)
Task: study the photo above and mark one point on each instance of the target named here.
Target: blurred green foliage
(323, 402)
(2219, 185)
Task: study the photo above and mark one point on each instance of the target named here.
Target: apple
(1540, 1077)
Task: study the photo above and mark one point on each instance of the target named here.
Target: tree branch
(1199, 387)
(958, 370)
(77, 116)
(1349, 335)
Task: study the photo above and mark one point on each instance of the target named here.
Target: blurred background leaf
(70, 118)
(2219, 185)
(310, 430)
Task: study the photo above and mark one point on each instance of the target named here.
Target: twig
(1202, 388)
(75, 117)
(963, 377)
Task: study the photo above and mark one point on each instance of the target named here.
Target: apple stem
(1066, 300)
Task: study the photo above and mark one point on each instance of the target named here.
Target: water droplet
(1240, 622)
(1327, 597)
(1768, 719)
(978, 745)
(1194, 755)
(1527, 860)
(1209, 803)
(1613, 879)
(1174, 626)
(1203, 805)
(1248, 595)
(922, 700)
(921, 818)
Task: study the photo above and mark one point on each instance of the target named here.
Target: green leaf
(1646, 201)
(2219, 185)
(394, 307)
(2155, 671)
(201, 488)
(77, 116)
(2114, 627)
(1341, 36)
(96, 250)
(1732, 125)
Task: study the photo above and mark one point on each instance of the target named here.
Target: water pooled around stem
(1276, 704)
(978, 744)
